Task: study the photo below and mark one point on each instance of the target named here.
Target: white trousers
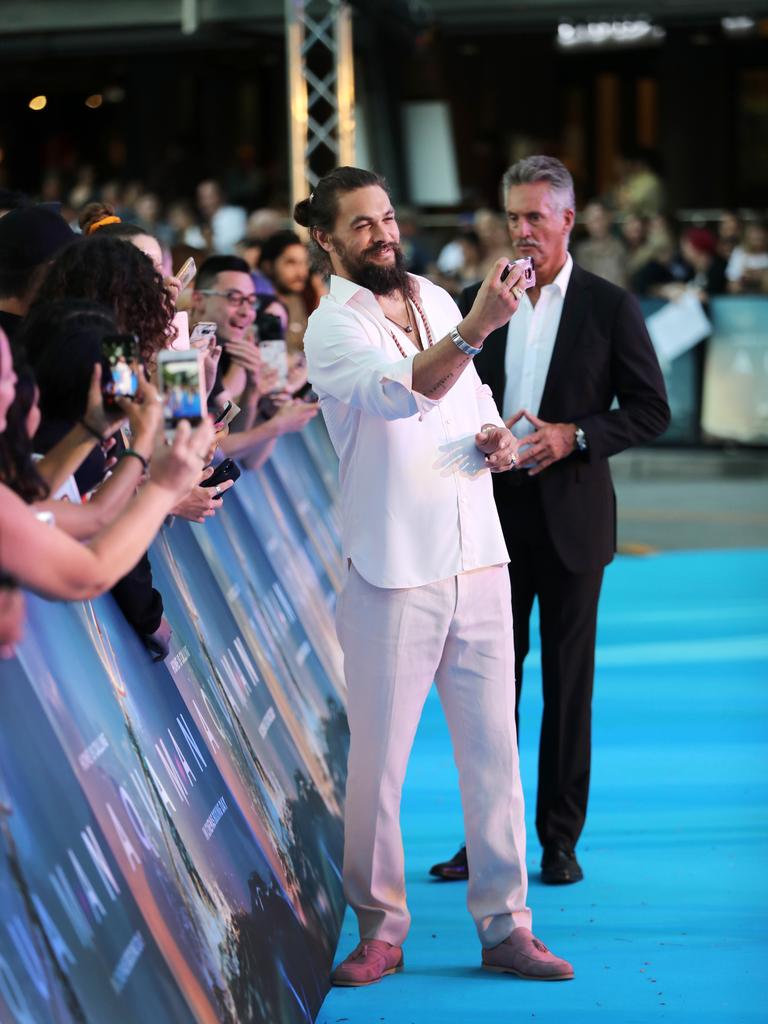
(457, 632)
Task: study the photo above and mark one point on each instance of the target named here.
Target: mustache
(532, 243)
(380, 247)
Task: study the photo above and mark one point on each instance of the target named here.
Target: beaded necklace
(427, 330)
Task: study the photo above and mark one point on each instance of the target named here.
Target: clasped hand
(549, 442)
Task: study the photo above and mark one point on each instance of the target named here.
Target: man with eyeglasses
(224, 293)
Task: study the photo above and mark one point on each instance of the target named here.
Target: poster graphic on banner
(187, 842)
(105, 963)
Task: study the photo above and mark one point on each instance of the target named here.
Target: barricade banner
(83, 941)
(209, 787)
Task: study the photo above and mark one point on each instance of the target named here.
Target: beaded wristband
(463, 346)
(136, 455)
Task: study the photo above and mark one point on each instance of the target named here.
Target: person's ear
(323, 239)
(198, 302)
(568, 218)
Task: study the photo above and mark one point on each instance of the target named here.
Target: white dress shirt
(530, 341)
(417, 498)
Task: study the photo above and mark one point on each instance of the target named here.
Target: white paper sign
(679, 326)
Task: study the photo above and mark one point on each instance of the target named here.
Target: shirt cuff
(399, 377)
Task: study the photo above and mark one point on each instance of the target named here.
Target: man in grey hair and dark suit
(576, 346)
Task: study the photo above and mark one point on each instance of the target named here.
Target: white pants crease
(457, 632)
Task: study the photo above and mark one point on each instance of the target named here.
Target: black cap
(32, 236)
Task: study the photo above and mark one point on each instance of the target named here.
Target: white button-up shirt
(417, 499)
(530, 341)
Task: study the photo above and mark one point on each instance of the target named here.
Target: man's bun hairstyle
(319, 210)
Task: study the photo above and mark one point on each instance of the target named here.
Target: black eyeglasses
(233, 297)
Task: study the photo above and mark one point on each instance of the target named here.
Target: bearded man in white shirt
(427, 592)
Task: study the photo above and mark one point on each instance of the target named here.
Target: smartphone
(186, 273)
(228, 413)
(223, 413)
(121, 353)
(181, 383)
(528, 280)
(202, 333)
(226, 470)
(275, 355)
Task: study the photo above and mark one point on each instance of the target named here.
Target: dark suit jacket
(602, 352)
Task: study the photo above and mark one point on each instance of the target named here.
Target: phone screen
(180, 382)
(121, 352)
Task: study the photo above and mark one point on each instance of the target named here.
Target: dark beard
(379, 280)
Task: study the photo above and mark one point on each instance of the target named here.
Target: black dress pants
(568, 624)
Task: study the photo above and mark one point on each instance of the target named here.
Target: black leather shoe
(559, 866)
(454, 870)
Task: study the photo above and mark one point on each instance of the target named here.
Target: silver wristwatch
(461, 345)
(581, 440)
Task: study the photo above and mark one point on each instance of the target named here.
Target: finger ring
(217, 490)
(513, 459)
(517, 292)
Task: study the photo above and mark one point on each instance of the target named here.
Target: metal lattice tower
(321, 90)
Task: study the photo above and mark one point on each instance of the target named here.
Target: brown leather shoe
(368, 963)
(522, 954)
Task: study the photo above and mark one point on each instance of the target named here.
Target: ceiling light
(608, 33)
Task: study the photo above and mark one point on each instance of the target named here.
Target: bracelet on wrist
(463, 346)
(92, 431)
(136, 455)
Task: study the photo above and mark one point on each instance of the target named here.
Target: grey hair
(541, 168)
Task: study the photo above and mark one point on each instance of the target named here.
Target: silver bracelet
(461, 345)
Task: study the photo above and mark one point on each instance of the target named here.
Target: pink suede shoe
(522, 954)
(368, 963)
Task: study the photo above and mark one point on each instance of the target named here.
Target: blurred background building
(171, 91)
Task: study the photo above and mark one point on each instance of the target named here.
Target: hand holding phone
(226, 470)
(202, 334)
(528, 280)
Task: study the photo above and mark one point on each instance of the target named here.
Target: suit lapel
(575, 307)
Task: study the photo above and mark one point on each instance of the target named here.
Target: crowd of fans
(90, 465)
(87, 479)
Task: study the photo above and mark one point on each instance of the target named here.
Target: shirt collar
(344, 291)
(564, 276)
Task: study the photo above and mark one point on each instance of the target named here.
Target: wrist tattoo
(439, 384)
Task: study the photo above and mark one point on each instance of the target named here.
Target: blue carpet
(671, 922)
